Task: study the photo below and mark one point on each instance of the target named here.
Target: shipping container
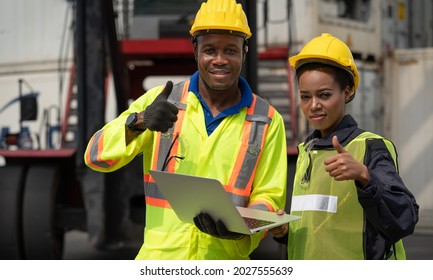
(408, 122)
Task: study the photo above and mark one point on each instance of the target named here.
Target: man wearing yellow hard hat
(353, 203)
(211, 125)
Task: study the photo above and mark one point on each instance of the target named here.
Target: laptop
(189, 195)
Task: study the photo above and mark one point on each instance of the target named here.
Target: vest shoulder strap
(176, 95)
(258, 118)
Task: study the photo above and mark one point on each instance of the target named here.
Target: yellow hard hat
(221, 15)
(329, 50)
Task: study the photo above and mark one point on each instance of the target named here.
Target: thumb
(166, 91)
(337, 145)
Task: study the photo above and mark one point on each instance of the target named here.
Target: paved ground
(418, 247)
(77, 247)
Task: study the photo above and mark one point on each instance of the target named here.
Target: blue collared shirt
(213, 122)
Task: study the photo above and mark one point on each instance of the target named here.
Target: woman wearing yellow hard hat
(353, 203)
(233, 135)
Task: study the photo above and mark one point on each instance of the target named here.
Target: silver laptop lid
(189, 195)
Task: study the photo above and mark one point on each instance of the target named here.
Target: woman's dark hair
(341, 76)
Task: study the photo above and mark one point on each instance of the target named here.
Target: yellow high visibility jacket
(246, 152)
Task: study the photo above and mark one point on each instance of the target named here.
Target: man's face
(219, 58)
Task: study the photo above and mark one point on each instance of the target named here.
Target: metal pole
(249, 70)
(20, 95)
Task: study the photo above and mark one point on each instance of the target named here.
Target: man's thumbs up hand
(165, 93)
(161, 114)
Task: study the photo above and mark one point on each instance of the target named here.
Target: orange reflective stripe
(262, 205)
(88, 153)
(241, 155)
(236, 191)
(153, 195)
(148, 178)
(170, 166)
(271, 112)
(157, 202)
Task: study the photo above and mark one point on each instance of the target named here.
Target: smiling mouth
(219, 73)
(317, 116)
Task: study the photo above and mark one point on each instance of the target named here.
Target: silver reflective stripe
(152, 190)
(253, 118)
(176, 95)
(260, 119)
(239, 200)
(94, 151)
(164, 147)
(315, 202)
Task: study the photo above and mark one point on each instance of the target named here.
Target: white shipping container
(359, 25)
(408, 107)
(31, 31)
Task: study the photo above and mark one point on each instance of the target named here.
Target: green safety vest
(332, 223)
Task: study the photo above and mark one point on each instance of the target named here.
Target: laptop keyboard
(255, 223)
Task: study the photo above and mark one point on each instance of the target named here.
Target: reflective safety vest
(332, 224)
(259, 117)
(165, 236)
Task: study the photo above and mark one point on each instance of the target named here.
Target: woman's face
(322, 100)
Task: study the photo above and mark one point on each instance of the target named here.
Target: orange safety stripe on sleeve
(263, 205)
(88, 152)
(94, 152)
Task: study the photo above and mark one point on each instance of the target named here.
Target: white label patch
(315, 202)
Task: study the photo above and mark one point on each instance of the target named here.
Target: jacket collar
(346, 131)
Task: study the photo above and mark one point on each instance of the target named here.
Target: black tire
(11, 189)
(42, 238)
